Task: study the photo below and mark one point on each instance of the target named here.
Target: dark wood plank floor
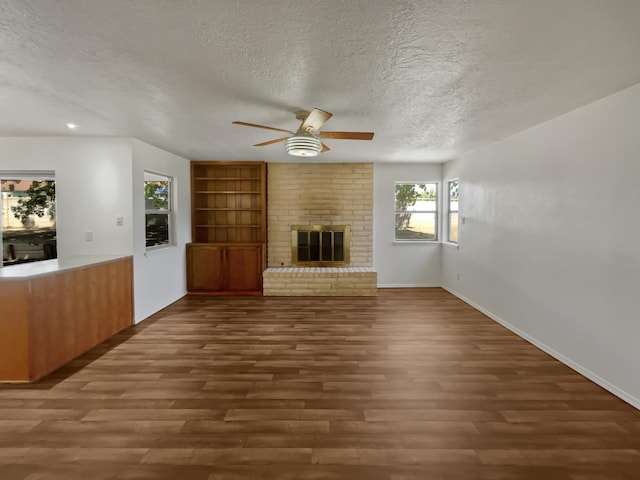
(413, 384)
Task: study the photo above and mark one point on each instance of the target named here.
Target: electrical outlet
(88, 236)
(458, 276)
(119, 220)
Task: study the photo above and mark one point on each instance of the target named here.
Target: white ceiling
(432, 79)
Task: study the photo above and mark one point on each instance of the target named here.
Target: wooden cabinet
(243, 268)
(229, 220)
(52, 317)
(205, 267)
(217, 268)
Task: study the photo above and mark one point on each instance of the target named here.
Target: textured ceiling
(433, 79)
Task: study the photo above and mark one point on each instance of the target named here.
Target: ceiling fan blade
(263, 144)
(261, 126)
(325, 148)
(315, 120)
(347, 135)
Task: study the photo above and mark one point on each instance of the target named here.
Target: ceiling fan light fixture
(303, 146)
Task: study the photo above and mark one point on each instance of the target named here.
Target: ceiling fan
(307, 140)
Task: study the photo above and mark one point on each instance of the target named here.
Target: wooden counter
(55, 310)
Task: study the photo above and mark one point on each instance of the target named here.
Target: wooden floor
(413, 384)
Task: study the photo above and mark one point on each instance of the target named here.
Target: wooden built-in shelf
(228, 208)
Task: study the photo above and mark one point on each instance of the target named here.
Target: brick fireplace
(320, 194)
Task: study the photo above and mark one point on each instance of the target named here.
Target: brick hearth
(320, 281)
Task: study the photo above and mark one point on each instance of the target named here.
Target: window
(416, 212)
(157, 204)
(28, 217)
(453, 212)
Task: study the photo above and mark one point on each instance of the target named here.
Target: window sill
(427, 242)
(157, 248)
(417, 242)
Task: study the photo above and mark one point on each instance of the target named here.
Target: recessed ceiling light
(72, 126)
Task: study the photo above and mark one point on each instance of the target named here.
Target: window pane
(28, 220)
(452, 234)
(416, 226)
(157, 204)
(453, 227)
(424, 205)
(453, 196)
(157, 229)
(453, 189)
(156, 195)
(415, 196)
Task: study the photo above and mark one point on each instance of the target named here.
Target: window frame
(436, 213)
(450, 211)
(151, 176)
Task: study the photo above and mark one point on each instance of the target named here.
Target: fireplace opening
(320, 245)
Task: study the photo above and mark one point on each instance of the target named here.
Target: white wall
(551, 241)
(97, 179)
(402, 264)
(93, 186)
(160, 274)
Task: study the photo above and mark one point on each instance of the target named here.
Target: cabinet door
(205, 271)
(244, 268)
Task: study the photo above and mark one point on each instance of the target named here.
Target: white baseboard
(618, 392)
(409, 285)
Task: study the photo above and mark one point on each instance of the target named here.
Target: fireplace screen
(320, 245)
